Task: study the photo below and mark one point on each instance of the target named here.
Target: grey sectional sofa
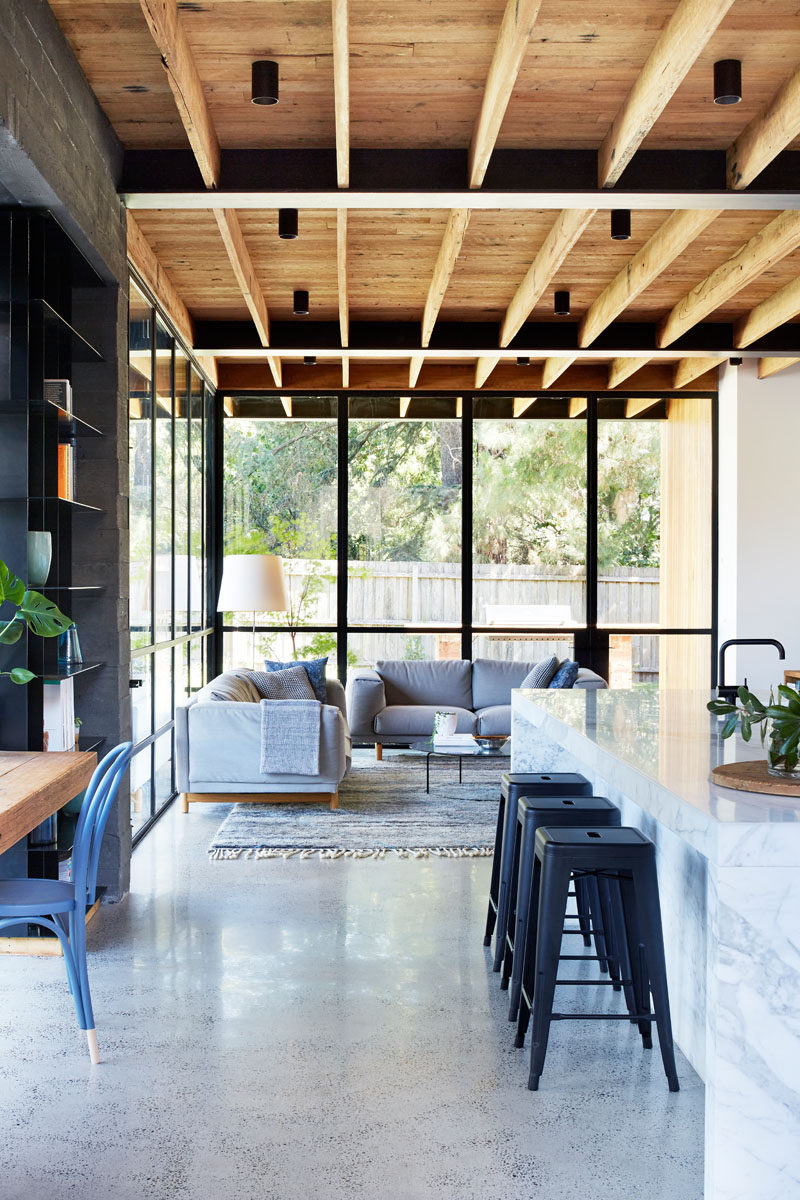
(395, 702)
(218, 753)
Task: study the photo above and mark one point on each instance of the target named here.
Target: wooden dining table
(35, 784)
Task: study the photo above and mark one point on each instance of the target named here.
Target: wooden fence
(418, 593)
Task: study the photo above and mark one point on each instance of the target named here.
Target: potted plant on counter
(778, 723)
(32, 610)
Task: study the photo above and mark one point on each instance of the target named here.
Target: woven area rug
(383, 810)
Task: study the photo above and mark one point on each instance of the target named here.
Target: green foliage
(780, 722)
(414, 649)
(41, 616)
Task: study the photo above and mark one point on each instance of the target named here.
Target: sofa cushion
(314, 668)
(292, 683)
(493, 679)
(566, 674)
(494, 720)
(231, 685)
(541, 673)
(444, 682)
(416, 720)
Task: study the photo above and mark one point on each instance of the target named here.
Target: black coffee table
(426, 746)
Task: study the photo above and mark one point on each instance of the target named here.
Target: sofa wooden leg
(378, 752)
(335, 800)
(184, 802)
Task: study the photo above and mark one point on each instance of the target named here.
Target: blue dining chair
(61, 906)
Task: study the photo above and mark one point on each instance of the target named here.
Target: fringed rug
(384, 810)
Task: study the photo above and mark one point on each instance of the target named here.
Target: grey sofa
(395, 702)
(218, 753)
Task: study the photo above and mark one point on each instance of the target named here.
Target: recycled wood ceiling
(437, 291)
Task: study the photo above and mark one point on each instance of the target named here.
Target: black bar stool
(512, 786)
(533, 811)
(627, 856)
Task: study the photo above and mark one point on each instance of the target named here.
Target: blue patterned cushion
(315, 670)
(541, 673)
(566, 675)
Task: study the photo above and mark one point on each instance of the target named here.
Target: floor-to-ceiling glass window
(504, 527)
(280, 497)
(169, 429)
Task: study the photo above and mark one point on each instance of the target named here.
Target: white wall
(759, 504)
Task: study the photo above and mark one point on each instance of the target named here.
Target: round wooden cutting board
(753, 777)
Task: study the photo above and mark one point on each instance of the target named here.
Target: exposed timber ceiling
(454, 164)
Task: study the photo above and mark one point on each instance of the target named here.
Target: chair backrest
(100, 796)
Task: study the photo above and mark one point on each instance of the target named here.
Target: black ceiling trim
(314, 170)
(623, 337)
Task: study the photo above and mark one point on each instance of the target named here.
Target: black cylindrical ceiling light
(523, 361)
(727, 81)
(287, 223)
(310, 360)
(300, 307)
(561, 304)
(620, 224)
(264, 82)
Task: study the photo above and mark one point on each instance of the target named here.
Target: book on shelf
(66, 471)
(59, 391)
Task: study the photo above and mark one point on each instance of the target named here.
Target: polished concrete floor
(277, 1030)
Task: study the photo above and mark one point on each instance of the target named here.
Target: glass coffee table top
(495, 747)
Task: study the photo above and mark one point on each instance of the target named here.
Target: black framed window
(170, 416)
(485, 526)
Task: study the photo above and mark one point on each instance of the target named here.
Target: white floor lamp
(252, 583)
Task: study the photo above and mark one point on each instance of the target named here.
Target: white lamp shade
(252, 583)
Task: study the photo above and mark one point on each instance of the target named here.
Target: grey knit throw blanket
(290, 732)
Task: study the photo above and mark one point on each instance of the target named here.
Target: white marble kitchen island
(729, 878)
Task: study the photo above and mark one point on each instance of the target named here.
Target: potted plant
(32, 609)
(779, 726)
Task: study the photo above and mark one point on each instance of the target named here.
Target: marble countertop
(658, 748)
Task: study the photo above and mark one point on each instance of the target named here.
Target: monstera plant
(33, 610)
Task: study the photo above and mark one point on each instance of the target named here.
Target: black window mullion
(466, 527)
(342, 534)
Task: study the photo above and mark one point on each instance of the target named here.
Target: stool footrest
(577, 1016)
(591, 982)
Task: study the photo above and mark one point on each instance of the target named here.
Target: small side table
(792, 677)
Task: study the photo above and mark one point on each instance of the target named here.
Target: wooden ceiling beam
(341, 89)
(689, 369)
(446, 260)
(766, 136)
(564, 233)
(345, 371)
(555, 367)
(164, 22)
(783, 306)
(341, 276)
(145, 261)
(483, 369)
(414, 368)
(667, 243)
(679, 44)
(517, 25)
(242, 264)
(636, 405)
(768, 246)
(771, 366)
(578, 406)
(622, 369)
(522, 404)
